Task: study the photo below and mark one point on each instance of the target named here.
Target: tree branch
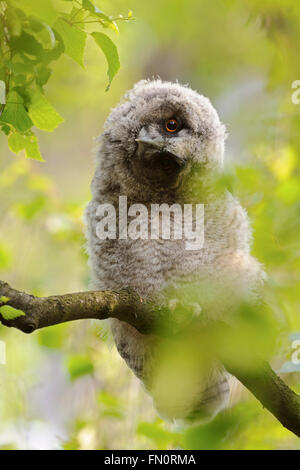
(46, 311)
(272, 393)
(260, 379)
(125, 305)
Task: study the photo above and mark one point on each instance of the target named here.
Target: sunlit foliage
(33, 35)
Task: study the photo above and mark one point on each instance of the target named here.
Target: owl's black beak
(159, 150)
(155, 143)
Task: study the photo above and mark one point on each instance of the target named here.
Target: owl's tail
(213, 399)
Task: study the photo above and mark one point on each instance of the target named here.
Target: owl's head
(160, 131)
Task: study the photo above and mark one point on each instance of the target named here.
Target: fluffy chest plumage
(149, 265)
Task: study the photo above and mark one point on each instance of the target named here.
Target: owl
(163, 145)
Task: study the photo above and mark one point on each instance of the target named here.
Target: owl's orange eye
(171, 125)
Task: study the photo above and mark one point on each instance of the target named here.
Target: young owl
(164, 144)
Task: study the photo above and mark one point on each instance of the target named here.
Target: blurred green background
(66, 386)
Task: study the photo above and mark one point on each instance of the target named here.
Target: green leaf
(14, 21)
(4, 299)
(158, 434)
(10, 313)
(110, 405)
(109, 400)
(111, 53)
(74, 40)
(6, 256)
(289, 191)
(43, 75)
(79, 365)
(53, 337)
(42, 113)
(5, 129)
(42, 33)
(41, 9)
(15, 113)
(29, 143)
(79, 16)
(104, 19)
(20, 68)
(2, 92)
(88, 5)
(19, 80)
(50, 55)
(28, 44)
(29, 209)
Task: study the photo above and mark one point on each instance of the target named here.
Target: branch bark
(127, 306)
(46, 311)
(272, 393)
